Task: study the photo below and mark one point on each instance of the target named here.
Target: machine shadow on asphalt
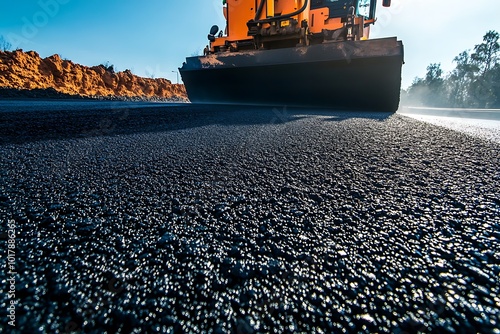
(20, 125)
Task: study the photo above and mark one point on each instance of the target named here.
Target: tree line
(473, 83)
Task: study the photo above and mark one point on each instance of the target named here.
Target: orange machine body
(317, 20)
(311, 53)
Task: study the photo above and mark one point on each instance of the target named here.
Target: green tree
(428, 91)
(460, 79)
(495, 73)
(485, 55)
(485, 58)
(434, 75)
(4, 44)
(435, 82)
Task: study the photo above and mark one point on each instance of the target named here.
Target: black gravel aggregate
(230, 219)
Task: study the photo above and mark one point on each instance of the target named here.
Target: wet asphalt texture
(230, 219)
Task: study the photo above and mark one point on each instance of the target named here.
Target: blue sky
(152, 37)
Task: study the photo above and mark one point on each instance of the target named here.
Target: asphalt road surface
(227, 219)
(479, 123)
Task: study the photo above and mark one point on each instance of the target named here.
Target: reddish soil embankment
(28, 71)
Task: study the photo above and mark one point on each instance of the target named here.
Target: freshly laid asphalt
(231, 219)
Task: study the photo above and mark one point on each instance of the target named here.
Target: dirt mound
(27, 70)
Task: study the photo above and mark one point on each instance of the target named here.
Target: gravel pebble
(227, 219)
